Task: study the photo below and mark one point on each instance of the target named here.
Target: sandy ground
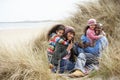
(23, 35)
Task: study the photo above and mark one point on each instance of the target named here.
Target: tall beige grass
(21, 62)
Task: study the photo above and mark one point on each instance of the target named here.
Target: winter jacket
(60, 52)
(53, 40)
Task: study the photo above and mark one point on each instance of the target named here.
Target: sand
(23, 35)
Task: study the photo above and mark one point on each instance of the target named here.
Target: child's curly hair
(54, 29)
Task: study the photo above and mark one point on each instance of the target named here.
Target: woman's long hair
(54, 29)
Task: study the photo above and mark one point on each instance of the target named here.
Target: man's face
(98, 31)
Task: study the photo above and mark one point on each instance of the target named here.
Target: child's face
(92, 26)
(60, 33)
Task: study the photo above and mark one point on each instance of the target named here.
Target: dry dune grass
(21, 62)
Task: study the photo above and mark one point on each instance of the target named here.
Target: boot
(51, 66)
(76, 73)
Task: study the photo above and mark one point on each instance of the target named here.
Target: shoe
(51, 66)
(76, 73)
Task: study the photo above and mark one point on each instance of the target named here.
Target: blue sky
(24, 10)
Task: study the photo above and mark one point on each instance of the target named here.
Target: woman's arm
(63, 50)
(60, 50)
(92, 36)
(59, 53)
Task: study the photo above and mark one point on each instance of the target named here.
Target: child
(56, 34)
(90, 31)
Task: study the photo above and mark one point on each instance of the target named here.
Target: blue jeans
(80, 50)
(66, 65)
(85, 59)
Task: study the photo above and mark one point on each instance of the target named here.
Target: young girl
(90, 31)
(55, 37)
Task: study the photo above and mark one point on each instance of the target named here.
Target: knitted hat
(69, 29)
(91, 22)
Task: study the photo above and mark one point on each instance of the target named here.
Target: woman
(89, 56)
(63, 57)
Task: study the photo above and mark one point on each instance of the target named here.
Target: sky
(34, 10)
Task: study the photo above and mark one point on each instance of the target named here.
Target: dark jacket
(60, 52)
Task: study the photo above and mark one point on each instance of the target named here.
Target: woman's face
(70, 36)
